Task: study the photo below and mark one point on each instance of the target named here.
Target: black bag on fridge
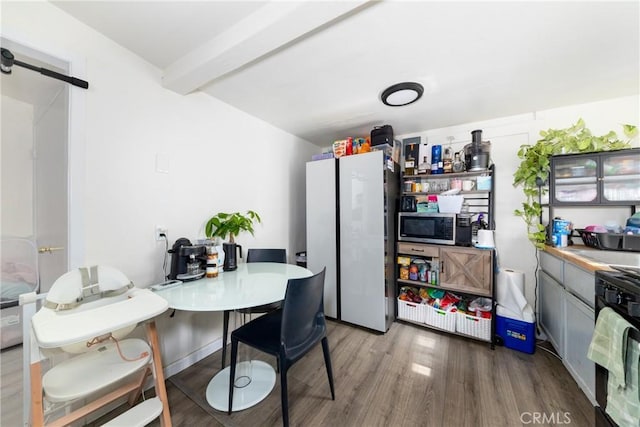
(382, 135)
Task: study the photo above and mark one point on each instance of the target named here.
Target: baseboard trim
(192, 358)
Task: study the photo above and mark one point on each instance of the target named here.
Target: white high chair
(86, 314)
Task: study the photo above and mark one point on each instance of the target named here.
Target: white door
(362, 238)
(322, 228)
(50, 201)
(35, 194)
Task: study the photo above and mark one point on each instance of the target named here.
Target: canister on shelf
(423, 270)
(212, 262)
(413, 272)
(404, 272)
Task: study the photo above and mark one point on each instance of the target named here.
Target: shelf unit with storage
(602, 178)
(466, 272)
(599, 179)
(479, 198)
(609, 178)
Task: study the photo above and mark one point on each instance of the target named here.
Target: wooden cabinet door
(467, 269)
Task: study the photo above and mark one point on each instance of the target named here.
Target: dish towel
(608, 346)
(623, 403)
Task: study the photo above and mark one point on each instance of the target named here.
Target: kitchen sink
(608, 257)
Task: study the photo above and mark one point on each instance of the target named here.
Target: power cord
(166, 251)
(164, 263)
(535, 293)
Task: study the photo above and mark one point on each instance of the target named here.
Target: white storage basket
(477, 327)
(411, 311)
(440, 318)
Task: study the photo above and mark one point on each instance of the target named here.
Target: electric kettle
(230, 261)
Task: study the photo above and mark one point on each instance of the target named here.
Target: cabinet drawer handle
(417, 250)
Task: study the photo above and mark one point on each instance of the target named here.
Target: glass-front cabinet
(596, 178)
(621, 177)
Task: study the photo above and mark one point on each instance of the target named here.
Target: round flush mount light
(402, 94)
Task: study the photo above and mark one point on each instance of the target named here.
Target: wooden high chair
(86, 314)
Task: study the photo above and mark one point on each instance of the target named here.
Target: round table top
(251, 285)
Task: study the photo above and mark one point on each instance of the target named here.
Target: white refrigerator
(351, 206)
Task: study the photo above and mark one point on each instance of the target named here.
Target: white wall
(219, 158)
(17, 170)
(506, 135)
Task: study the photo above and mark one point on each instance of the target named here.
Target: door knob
(50, 249)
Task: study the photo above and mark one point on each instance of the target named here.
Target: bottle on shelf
(424, 167)
(436, 159)
(434, 274)
(457, 165)
(410, 166)
(447, 162)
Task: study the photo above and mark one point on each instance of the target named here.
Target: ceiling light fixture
(8, 61)
(402, 94)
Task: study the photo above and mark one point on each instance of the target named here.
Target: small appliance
(485, 239)
(230, 260)
(187, 260)
(477, 153)
(464, 230)
(382, 135)
(427, 227)
(408, 204)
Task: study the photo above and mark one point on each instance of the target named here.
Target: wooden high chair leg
(161, 392)
(135, 394)
(37, 411)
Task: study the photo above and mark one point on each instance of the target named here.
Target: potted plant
(534, 169)
(232, 224)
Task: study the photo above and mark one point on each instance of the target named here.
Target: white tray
(89, 372)
(59, 328)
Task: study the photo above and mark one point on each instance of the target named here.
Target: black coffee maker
(230, 260)
(187, 260)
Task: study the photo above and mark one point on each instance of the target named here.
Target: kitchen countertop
(592, 259)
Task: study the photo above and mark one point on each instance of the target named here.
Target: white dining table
(250, 285)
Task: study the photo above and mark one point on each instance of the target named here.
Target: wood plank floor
(410, 376)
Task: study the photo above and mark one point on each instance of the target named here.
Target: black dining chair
(288, 333)
(254, 255)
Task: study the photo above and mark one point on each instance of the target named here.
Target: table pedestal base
(263, 379)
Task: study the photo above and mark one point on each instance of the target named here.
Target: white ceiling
(316, 68)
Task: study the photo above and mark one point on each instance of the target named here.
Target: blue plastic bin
(516, 334)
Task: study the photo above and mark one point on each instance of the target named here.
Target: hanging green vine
(533, 172)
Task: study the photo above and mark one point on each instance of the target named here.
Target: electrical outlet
(161, 230)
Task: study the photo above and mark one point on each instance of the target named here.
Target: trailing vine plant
(533, 172)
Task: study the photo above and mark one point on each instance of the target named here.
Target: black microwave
(424, 227)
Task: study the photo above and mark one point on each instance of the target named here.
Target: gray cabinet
(551, 311)
(566, 314)
(579, 325)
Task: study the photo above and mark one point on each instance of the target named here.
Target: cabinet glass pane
(576, 179)
(621, 178)
(575, 167)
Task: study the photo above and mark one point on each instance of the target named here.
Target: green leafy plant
(231, 223)
(534, 169)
